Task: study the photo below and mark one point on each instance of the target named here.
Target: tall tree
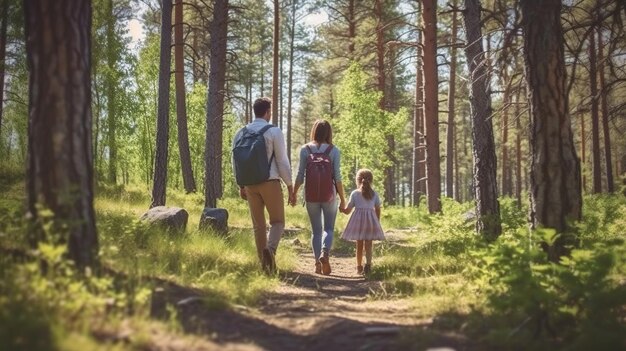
(181, 107)
(431, 105)
(518, 151)
(450, 134)
(605, 115)
(4, 18)
(506, 182)
(419, 159)
(595, 116)
(60, 164)
(111, 84)
(215, 104)
(162, 130)
(484, 152)
(292, 39)
(555, 169)
(275, 71)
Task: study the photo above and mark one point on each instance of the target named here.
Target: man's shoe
(269, 264)
(359, 269)
(367, 269)
(318, 267)
(325, 263)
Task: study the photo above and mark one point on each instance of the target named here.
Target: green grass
(432, 260)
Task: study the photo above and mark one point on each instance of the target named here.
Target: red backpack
(319, 184)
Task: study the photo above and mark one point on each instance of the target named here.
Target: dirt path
(337, 312)
(315, 312)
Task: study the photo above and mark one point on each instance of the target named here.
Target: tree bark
(518, 151)
(484, 153)
(60, 164)
(351, 28)
(4, 5)
(595, 116)
(275, 72)
(162, 128)
(505, 166)
(215, 104)
(605, 117)
(450, 137)
(555, 169)
(583, 148)
(290, 93)
(431, 105)
(181, 107)
(419, 159)
(111, 93)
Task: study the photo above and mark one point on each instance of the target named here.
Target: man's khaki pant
(266, 195)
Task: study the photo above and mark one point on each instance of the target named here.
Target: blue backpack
(250, 157)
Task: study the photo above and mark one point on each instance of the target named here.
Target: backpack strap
(328, 149)
(261, 132)
(265, 129)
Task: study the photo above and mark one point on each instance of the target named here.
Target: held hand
(342, 205)
(292, 199)
(243, 194)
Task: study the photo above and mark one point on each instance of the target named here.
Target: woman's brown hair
(364, 179)
(322, 132)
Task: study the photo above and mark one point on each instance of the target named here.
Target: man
(269, 193)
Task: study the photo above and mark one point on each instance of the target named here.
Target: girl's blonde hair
(364, 180)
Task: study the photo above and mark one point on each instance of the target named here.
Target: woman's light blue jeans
(326, 212)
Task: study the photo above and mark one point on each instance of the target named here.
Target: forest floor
(308, 311)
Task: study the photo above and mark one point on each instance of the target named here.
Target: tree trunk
(215, 104)
(505, 166)
(4, 17)
(583, 148)
(431, 105)
(162, 128)
(351, 28)
(518, 151)
(595, 116)
(275, 72)
(181, 108)
(555, 170)
(605, 117)
(484, 152)
(111, 87)
(290, 93)
(60, 164)
(451, 112)
(419, 161)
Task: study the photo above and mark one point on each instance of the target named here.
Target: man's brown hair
(261, 105)
(322, 132)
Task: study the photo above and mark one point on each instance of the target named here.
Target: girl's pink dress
(363, 224)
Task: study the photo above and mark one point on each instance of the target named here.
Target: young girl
(364, 225)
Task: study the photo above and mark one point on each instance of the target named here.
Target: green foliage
(42, 309)
(576, 300)
(429, 257)
(362, 127)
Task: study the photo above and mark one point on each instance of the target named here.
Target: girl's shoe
(318, 267)
(325, 263)
(359, 269)
(367, 269)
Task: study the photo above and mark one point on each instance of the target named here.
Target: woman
(322, 214)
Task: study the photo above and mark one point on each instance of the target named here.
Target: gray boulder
(173, 218)
(214, 218)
